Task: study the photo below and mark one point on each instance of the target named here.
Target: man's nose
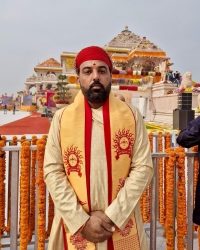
(95, 75)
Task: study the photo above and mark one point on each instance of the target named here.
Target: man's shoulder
(134, 109)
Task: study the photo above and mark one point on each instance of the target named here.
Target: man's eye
(87, 72)
(102, 71)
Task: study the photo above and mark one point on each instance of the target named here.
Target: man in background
(189, 137)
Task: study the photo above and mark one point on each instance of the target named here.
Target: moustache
(96, 83)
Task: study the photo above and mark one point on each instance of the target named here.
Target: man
(189, 137)
(177, 78)
(97, 165)
(5, 108)
(171, 78)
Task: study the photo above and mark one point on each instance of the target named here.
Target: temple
(133, 58)
(140, 74)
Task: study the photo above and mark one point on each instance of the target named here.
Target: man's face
(95, 81)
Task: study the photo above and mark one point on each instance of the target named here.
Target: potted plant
(62, 94)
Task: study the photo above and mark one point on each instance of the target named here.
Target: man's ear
(78, 81)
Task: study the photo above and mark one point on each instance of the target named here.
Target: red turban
(93, 53)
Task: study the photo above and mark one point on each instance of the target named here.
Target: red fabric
(110, 244)
(93, 53)
(107, 136)
(64, 237)
(88, 133)
(133, 88)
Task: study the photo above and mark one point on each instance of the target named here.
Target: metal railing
(15, 163)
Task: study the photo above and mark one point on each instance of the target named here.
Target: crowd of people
(5, 108)
(175, 77)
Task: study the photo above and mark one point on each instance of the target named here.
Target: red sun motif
(121, 183)
(78, 241)
(126, 231)
(73, 160)
(123, 143)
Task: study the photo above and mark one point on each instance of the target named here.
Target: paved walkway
(23, 123)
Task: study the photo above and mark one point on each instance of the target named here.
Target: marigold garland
(41, 194)
(23, 138)
(32, 190)
(169, 197)
(50, 216)
(161, 181)
(144, 206)
(151, 141)
(181, 199)
(24, 194)
(167, 140)
(145, 200)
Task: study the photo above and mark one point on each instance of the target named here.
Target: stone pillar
(184, 113)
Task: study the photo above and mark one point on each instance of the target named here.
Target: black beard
(96, 95)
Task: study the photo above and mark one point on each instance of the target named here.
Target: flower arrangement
(169, 92)
(32, 190)
(41, 194)
(62, 95)
(24, 194)
(169, 197)
(181, 207)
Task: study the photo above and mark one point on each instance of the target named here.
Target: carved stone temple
(140, 74)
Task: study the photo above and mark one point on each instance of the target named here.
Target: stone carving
(162, 69)
(186, 81)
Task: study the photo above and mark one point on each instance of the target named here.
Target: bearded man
(97, 165)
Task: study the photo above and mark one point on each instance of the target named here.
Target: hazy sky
(34, 31)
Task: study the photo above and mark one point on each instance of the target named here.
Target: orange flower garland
(167, 140)
(181, 200)
(151, 140)
(144, 206)
(145, 200)
(50, 216)
(149, 187)
(41, 194)
(169, 197)
(24, 194)
(23, 138)
(161, 189)
(32, 190)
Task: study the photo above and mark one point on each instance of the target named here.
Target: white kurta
(127, 201)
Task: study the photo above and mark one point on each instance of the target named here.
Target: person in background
(97, 164)
(189, 137)
(14, 107)
(170, 75)
(5, 108)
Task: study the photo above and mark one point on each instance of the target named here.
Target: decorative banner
(70, 63)
(50, 102)
(7, 100)
(27, 100)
